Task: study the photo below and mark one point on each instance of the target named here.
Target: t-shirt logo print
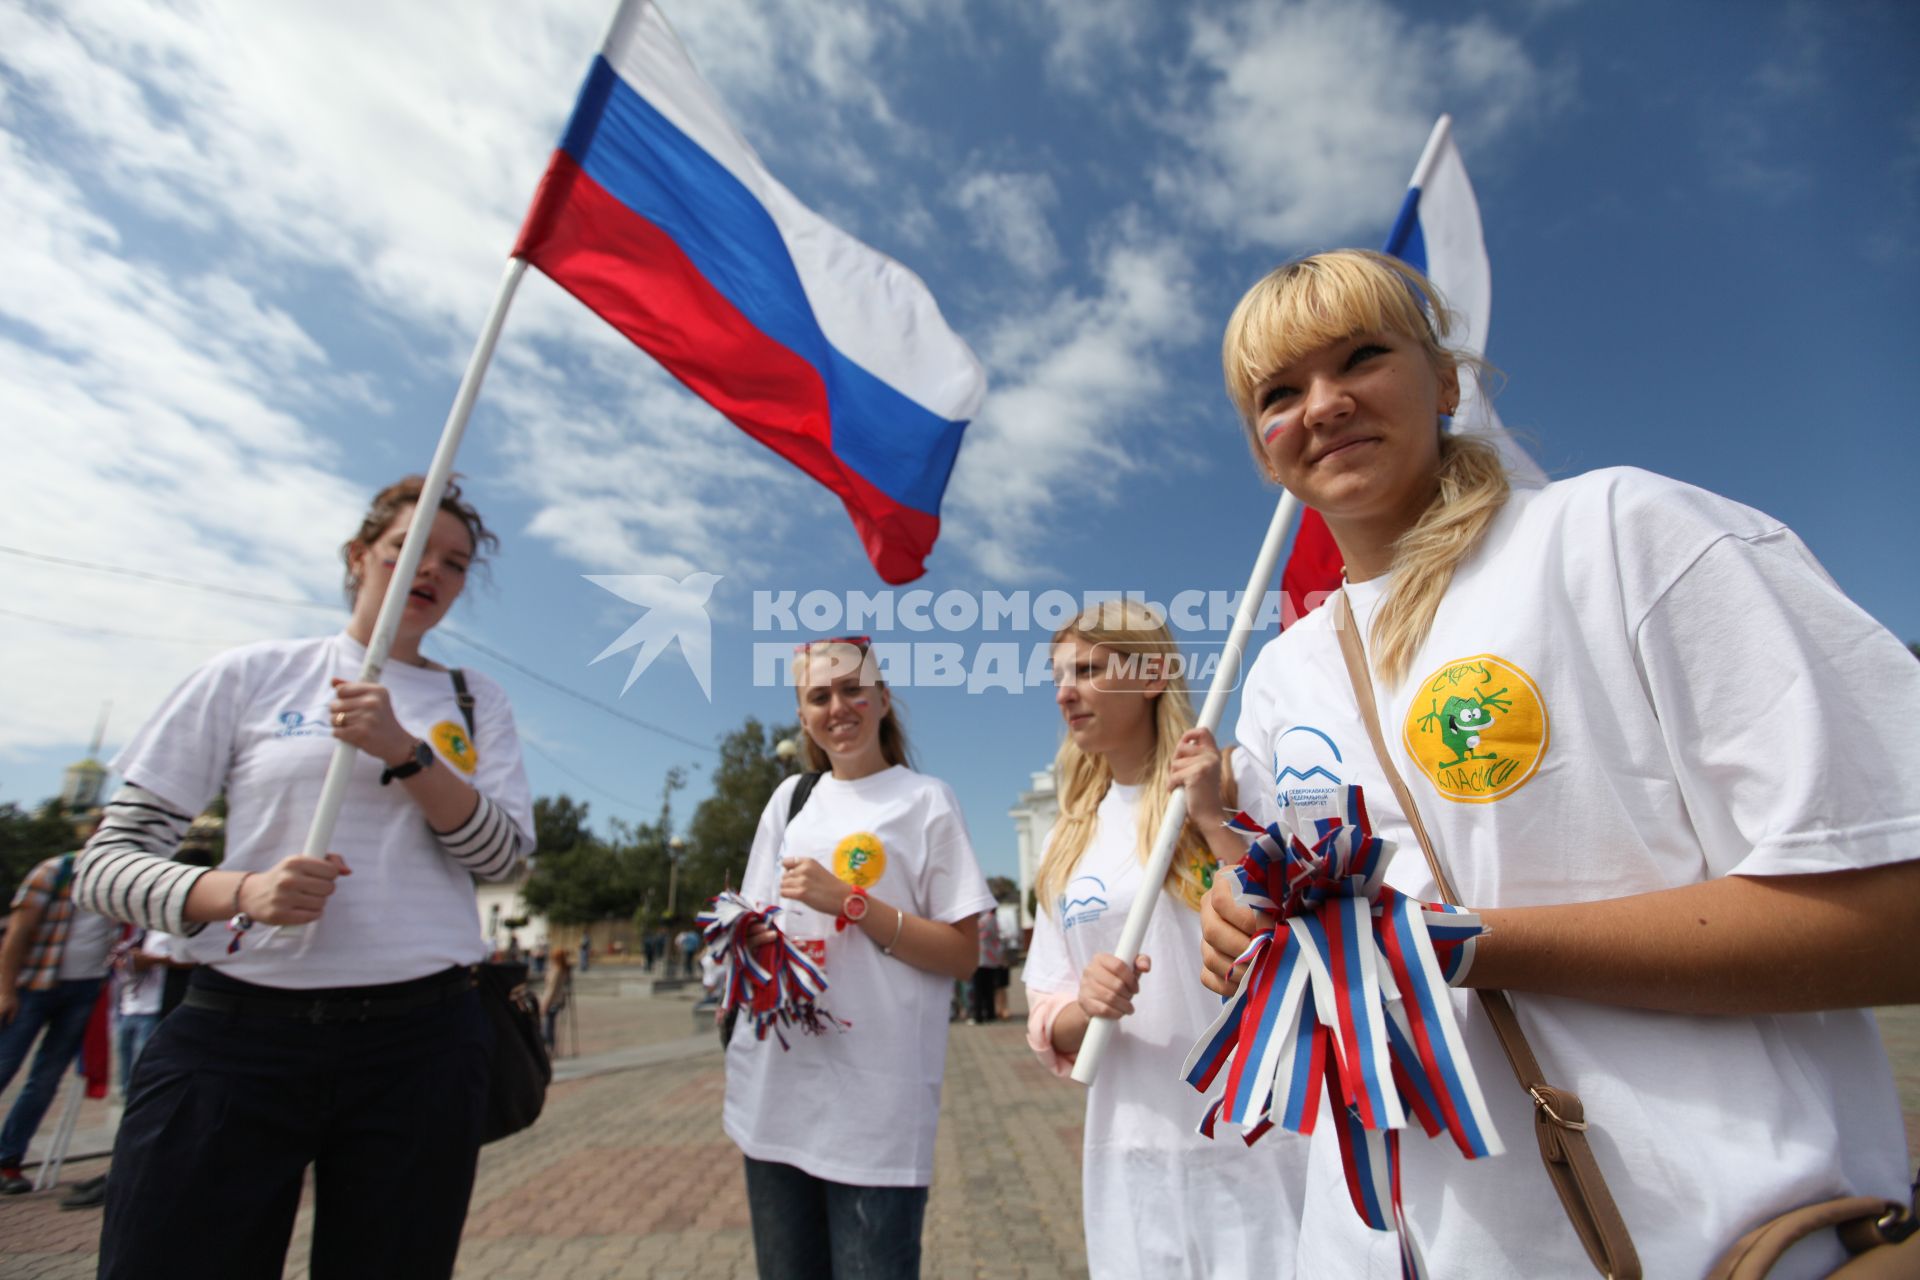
(1477, 728)
(860, 859)
(452, 742)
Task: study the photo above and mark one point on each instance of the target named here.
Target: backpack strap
(808, 781)
(464, 698)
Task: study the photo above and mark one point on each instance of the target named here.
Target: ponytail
(1473, 488)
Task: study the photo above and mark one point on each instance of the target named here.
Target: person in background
(143, 982)
(557, 996)
(986, 975)
(52, 968)
(689, 948)
(1003, 975)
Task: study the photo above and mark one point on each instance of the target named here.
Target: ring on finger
(339, 718)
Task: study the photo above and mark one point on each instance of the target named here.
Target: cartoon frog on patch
(1463, 721)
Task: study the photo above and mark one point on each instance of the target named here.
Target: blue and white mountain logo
(1084, 901)
(1306, 767)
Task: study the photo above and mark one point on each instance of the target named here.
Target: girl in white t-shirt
(355, 1045)
(1159, 1200)
(876, 881)
(1673, 767)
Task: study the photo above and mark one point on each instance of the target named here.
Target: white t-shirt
(255, 721)
(1159, 1199)
(89, 938)
(142, 990)
(1633, 685)
(857, 1106)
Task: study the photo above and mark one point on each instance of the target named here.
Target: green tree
(721, 832)
(579, 877)
(1003, 889)
(575, 874)
(28, 838)
(559, 824)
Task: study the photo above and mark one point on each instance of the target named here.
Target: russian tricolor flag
(657, 214)
(1438, 232)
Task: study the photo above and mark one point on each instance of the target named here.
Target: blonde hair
(1315, 301)
(1124, 627)
(893, 732)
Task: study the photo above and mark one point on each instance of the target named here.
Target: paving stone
(628, 1175)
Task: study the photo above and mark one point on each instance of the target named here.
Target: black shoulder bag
(802, 791)
(520, 1067)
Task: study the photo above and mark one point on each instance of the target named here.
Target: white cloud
(1008, 213)
(1053, 442)
(147, 425)
(181, 182)
(1093, 41)
(1297, 115)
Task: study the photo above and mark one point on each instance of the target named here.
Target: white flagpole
(333, 791)
(1423, 171)
(1225, 679)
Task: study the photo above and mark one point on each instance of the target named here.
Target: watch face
(856, 907)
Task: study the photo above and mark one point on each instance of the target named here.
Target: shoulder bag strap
(465, 699)
(1559, 1121)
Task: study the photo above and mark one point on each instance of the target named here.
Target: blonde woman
(1672, 766)
(1158, 1199)
(876, 880)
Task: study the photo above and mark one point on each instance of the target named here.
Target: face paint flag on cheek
(1347, 996)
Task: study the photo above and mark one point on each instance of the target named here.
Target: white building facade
(1033, 817)
(504, 900)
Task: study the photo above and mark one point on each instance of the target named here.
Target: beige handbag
(1880, 1234)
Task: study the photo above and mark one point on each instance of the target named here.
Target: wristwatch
(421, 758)
(853, 910)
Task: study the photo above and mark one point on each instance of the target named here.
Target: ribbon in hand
(1346, 992)
(774, 984)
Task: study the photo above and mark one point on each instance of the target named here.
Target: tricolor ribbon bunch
(1346, 992)
(774, 984)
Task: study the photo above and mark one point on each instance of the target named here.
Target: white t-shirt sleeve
(501, 775)
(1049, 968)
(183, 752)
(1252, 770)
(1789, 713)
(760, 882)
(952, 887)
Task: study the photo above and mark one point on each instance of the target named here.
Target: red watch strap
(844, 918)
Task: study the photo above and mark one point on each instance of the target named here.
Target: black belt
(339, 1004)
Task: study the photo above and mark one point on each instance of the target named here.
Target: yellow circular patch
(860, 859)
(453, 744)
(1477, 728)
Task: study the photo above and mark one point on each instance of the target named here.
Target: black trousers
(982, 991)
(227, 1111)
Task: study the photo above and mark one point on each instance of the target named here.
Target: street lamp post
(675, 847)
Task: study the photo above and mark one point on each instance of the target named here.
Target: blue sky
(249, 245)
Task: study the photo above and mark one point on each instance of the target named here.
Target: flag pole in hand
(1225, 678)
(333, 792)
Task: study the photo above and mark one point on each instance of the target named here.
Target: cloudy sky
(248, 245)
